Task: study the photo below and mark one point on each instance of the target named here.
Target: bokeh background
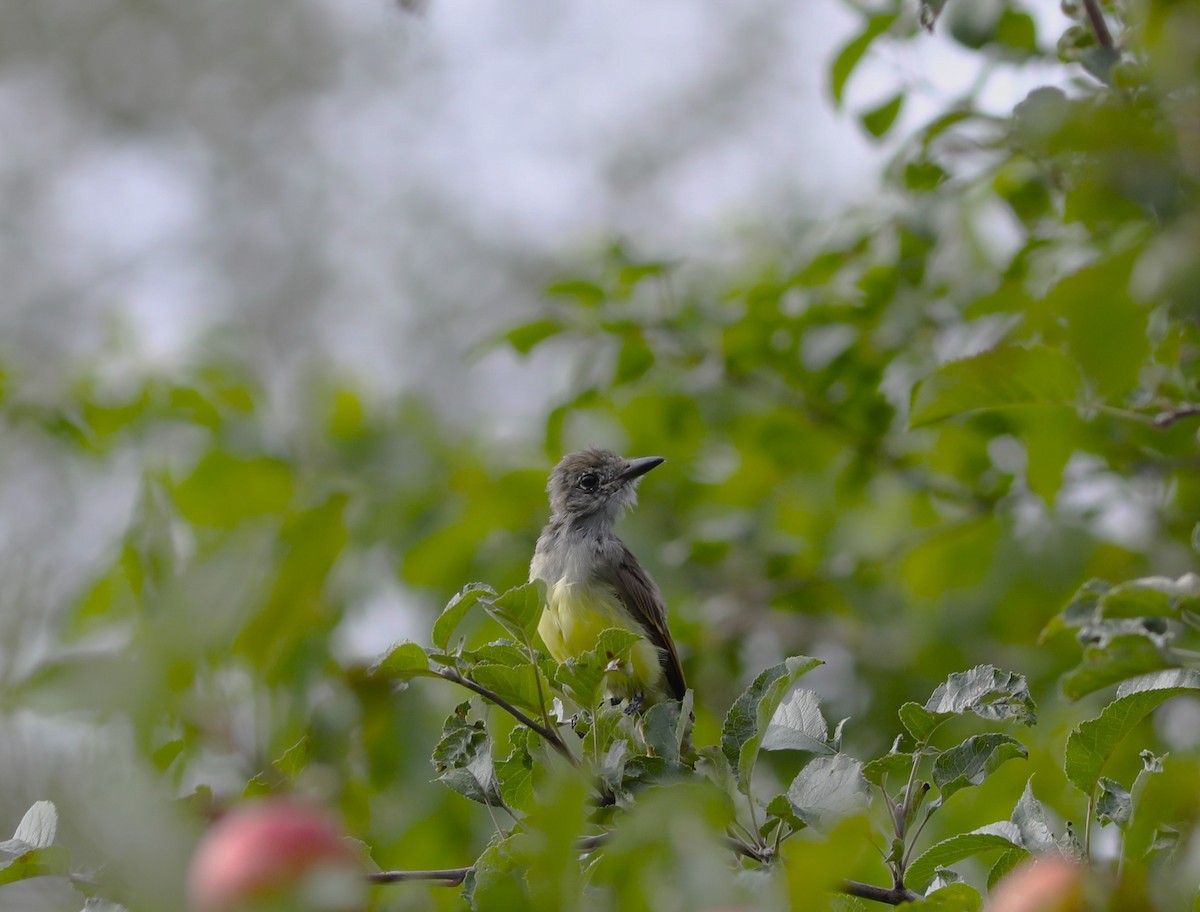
(303, 300)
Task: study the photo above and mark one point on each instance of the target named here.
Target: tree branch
(893, 896)
(446, 877)
(548, 734)
(1099, 26)
(1166, 419)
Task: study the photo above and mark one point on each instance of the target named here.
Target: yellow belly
(571, 623)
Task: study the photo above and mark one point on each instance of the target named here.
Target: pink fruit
(270, 854)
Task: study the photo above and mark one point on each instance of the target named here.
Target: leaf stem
(548, 734)
(1099, 26)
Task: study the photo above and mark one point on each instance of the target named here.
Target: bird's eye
(589, 481)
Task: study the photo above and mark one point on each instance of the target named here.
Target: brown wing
(642, 599)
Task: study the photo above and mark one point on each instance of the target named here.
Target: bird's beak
(636, 468)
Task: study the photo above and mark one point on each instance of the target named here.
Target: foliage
(917, 437)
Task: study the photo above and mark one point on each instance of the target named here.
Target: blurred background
(303, 300)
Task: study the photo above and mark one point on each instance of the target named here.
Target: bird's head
(596, 483)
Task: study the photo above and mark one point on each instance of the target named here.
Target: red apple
(274, 854)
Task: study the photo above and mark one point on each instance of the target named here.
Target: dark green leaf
(879, 120)
(850, 55)
(973, 761)
(633, 360)
(1004, 864)
(1091, 744)
(879, 769)
(1117, 659)
(456, 609)
(921, 871)
(985, 691)
(519, 609)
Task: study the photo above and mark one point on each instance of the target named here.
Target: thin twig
(446, 877)
(1166, 419)
(893, 896)
(548, 734)
(1099, 26)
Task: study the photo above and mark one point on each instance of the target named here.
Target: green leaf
(164, 755)
(583, 675)
(295, 758)
(1106, 329)
(879, 120)
(797, 724)
(850, 55)
(1091, 744)
(751, 713)
(528, 336)
(587, 293)
(633, 360)
(21, 864)
(518, 686)
(984, 690)
(1016, 31)
(1005, 377)
(515, 771)
(224, 490)
(456, 609)
(1117, 659)
(1002, 835)
(39, 825)
(1004, 864)
(665, 725)
(519, 609)
(973, 761)
(1030, 819)
(403, 661)
(463, 757)
(1113, 803)
(829, 789)
(878, 770)
(953, 897)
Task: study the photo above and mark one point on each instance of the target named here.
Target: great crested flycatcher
(594, 582)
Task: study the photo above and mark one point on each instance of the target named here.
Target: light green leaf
(1030, 818)
(829, 789)
(984, 690)
(39, 825)
(225, 489)
(1005, 377)
(583, 675)
(953, 897)
(1091, 744)
(1113, 803)
(518, 686)
(586, 293)
(798, 725)
(748, 718)
(403, 661)
(519, 609)
(528, 336)
(48, 861)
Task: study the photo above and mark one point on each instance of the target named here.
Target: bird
(594, 582)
